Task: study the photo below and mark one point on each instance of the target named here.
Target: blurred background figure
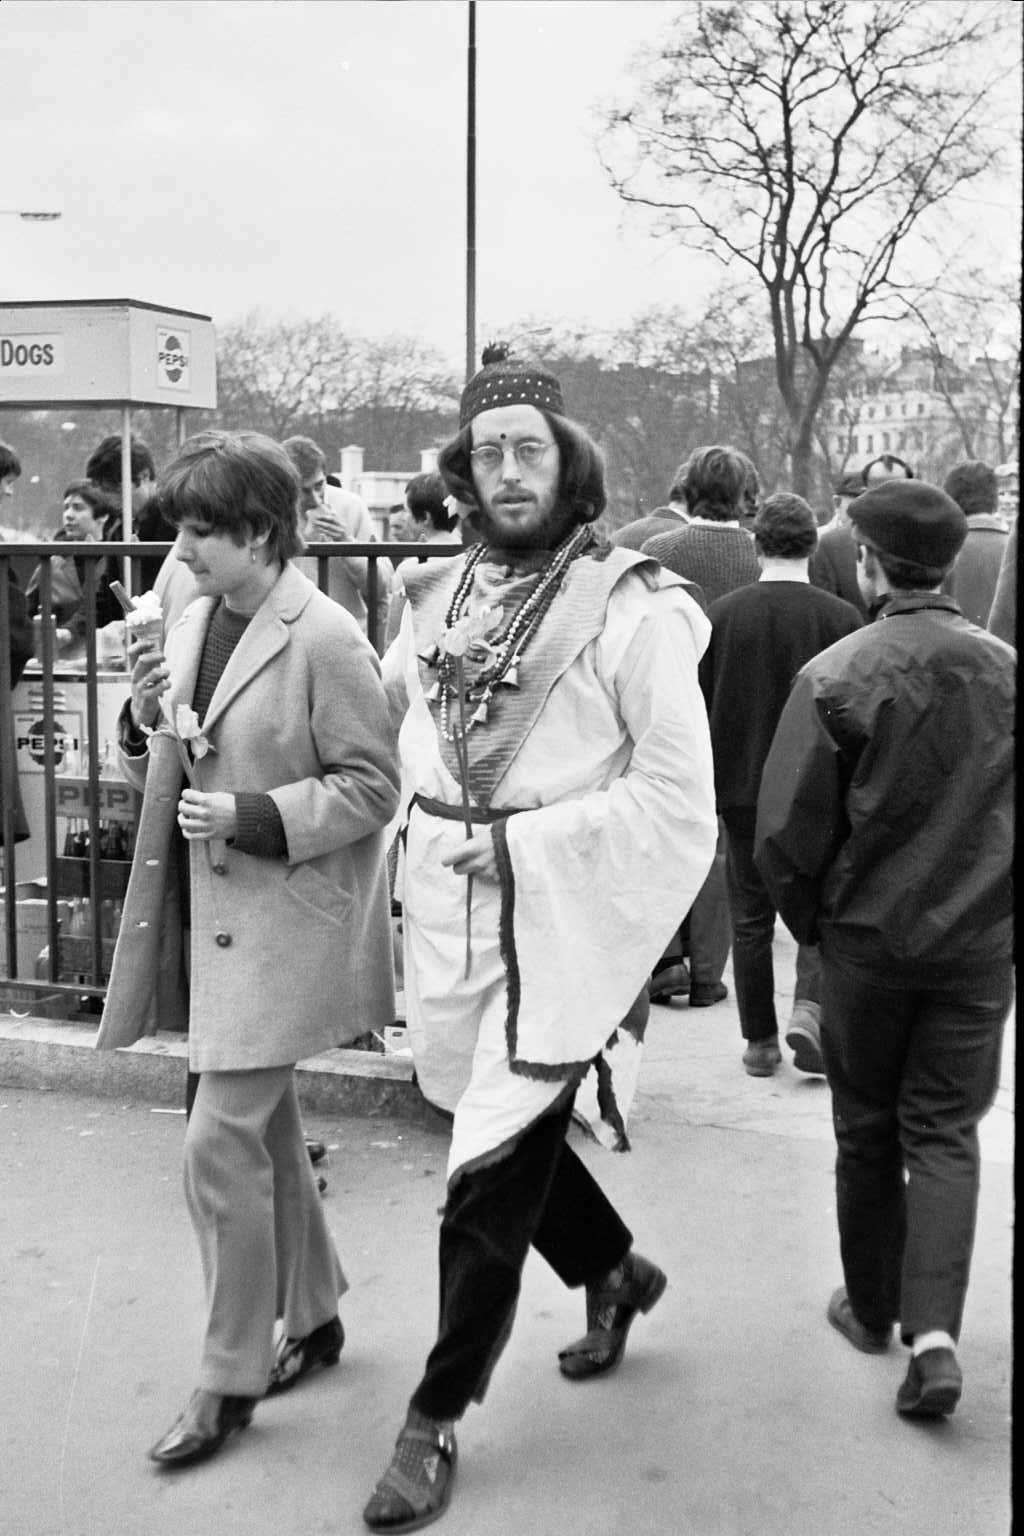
(148, 523)
(1008, 482)
(833, 565)
(88, 517)
(972, 581)
(328, 514)
(886, 467)
(427, 511)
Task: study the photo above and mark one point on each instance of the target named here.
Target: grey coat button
(219, 869)
(223, 939)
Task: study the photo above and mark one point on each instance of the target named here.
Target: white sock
(936, 1339)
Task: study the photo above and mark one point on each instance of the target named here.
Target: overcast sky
(304, 156)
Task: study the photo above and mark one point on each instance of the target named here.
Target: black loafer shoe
(704, 994)
(669, 982)
(869, 1341)
(297, 1357)
(932, 1386)
(200, 1431)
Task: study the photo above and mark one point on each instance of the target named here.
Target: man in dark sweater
(761, 636)
(719, 486)
(667, 519)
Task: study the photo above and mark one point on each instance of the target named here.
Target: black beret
(503, 380)
(910, 520)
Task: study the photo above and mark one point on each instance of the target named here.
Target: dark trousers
(912, 1069)
(752, 913)
(540, 1193)
(710, 933)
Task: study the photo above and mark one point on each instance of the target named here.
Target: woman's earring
(252, 553)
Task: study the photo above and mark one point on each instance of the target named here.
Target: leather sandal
(295, 1358)
(417, 1486)
(611, 1309)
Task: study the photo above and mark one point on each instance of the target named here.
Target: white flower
(465, 632)
(186, 723)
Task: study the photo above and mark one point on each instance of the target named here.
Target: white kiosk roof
(105, 352)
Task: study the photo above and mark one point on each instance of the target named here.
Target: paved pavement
(737, 1412)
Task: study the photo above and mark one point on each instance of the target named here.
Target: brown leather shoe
(201, 1429)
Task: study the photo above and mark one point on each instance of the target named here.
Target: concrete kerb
(39, 1053)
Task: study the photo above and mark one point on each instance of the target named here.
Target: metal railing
(92, 868)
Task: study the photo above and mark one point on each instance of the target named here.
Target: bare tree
(802, 143)
(971, 337)
(278, 376)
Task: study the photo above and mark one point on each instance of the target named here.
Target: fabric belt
(456, 813)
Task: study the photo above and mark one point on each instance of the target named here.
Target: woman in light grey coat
(263, 739)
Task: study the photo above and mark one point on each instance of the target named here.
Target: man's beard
(546, 535)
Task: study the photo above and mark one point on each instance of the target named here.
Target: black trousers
(752, 913)
(541, 1193)
(912, 1069)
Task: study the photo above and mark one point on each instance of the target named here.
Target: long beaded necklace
(507, 650)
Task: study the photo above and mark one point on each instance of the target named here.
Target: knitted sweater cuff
(260, 828)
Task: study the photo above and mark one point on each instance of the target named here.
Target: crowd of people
(638, 751)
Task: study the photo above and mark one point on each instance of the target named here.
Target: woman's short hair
(425, 497)
(581, 486)
(785, 527)
(95, 498)
(237, 483)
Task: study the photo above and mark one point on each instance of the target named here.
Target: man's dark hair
(908, 575)
(104, 466)
(425, 497)
(236, 483)
(718, 483)
(973, 486)
(785, 527)
(10, 464)
(677, 490)
(889, 462)
(848, 485)
(581, 471)
(307, 456)
(99, 500)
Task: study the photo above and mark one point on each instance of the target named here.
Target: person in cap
(548, 683)
(885, 833)
(833, 565)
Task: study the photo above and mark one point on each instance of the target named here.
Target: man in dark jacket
(761, 635)
(833, 565)
(885, 833)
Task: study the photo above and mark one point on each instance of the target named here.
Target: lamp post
(471, 196)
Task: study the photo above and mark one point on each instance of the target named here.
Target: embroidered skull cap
(503, 380)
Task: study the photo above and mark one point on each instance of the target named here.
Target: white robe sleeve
(594, 886)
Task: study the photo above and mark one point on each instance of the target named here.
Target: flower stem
(467, 816)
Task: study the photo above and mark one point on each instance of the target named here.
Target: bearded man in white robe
(559, 794)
